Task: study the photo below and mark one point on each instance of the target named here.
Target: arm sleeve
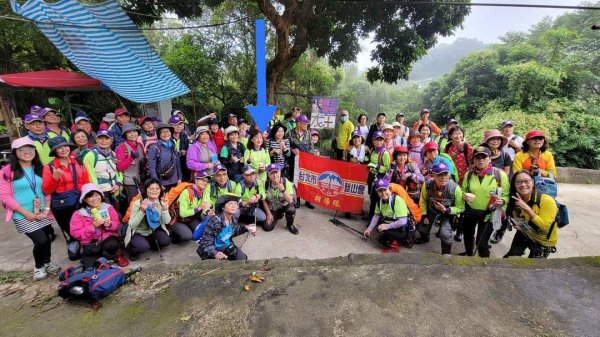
(459, 203)
(192, 159)
(177, 164)
(123, 160)
(551, 166)
(207, 242)
(114, 219)
(374, 222)
(186, 209)
(505, 184)
(546, 214)
(165, 217)
(88, 163)
(151, 157)
(5, 190)
(49, 184)
(398, 223)
(518, 162)
(423, 200)
(136, 215)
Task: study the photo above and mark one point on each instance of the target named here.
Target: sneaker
(39, 274)
(293, 229)
(309, 205)
(395, 247)
(121, 261)
(496, 237)
(52, 268)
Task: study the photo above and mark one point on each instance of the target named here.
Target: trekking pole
(477, 243)
(158, 248)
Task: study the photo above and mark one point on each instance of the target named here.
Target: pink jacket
(6, 194)
(82, 226)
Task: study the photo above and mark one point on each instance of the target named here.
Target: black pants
(470, 221)
(289, 211)
(41, 245)
(388, 236)
(107, 249)
(339, 154)
(63, 218)
(233, 252)
(521, 242)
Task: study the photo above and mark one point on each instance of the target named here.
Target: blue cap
(33, 117)
(105, 133)
(219, 167)
(378, 134)
(302, 119)
(174, 120)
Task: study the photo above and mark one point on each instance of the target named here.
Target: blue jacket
(160, 157)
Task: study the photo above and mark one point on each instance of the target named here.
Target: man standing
(425, 120)
(441, 200)
(378, 126)
(34, 124)
(404, 130)
(122, 117)
(299, 142)
(343, 136)
(53, 125)
(514, 142)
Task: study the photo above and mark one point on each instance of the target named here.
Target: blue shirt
(24, 194)
(223, 239)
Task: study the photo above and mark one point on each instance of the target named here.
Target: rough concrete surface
(359, 295)
(415, 292)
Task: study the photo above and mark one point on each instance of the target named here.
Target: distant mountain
(442, 59)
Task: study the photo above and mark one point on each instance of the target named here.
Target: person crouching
(391, 217)
(216, 242)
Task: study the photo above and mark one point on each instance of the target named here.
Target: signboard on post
(323, 112)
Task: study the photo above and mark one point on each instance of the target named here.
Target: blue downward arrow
(261, 113)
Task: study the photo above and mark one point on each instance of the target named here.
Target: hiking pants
(107, 249)
(445, 228)
(63, 218)
(521, 242)
(183, 231)
(388, 236)
(140, 244)
(484, 231)
(130, 191)
(289, 211)
(247, 215)
(41, 245)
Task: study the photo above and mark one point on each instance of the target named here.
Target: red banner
(331, 183)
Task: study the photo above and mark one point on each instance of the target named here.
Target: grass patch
(13, 276)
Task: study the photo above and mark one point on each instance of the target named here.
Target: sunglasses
(537, 138)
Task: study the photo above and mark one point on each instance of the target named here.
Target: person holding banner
(391, 218)
(300, 142)
(279, 199)
(441, 200)
(343, 136)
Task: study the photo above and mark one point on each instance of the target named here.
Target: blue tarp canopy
(102, 41)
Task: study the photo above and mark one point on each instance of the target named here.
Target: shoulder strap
(466, 153)
(496, 175)
(74, 171)
(191, 194)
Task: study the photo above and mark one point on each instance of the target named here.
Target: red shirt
(65, 182)
(458, 157)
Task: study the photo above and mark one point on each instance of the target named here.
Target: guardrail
(573, 175)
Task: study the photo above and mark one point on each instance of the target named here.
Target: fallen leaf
(247, 287)
(185, 318)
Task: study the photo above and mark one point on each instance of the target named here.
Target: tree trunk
(286, 55)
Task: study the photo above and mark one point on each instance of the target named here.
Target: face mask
(344, 118)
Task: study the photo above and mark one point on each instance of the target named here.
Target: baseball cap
(440, 168)
(302, 119)
(425, 111)
(231, 129)
(451, 121)
(482, 150)
(273, 167)
(203, 174)
(506, 123)
(400, 114)
(81, 118)
(44, 111)
(174, 120)
(248, 170)
(534, 133)
(219, 167)
(382, 183)
(29, 118)
(378, 134)
(121, 111)
(105, 133)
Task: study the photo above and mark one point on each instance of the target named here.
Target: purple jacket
(193, 157)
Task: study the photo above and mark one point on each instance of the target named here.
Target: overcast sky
(488, 23)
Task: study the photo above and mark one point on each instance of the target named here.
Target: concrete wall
(574, 175)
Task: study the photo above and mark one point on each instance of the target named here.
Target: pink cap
(20, 142)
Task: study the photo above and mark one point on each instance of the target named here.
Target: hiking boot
(309, 205)
(393, 248)
(121, 261)
(292, 229)
(458, 237)
(39, 274)
(421, 241)
(465, 254)
(52, 268)
(496, 237)
(52, 237)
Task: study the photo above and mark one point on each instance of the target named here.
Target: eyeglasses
(26, 149)
(523, 182)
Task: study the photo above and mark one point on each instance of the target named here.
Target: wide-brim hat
(109, 117)
(129, 127)
(201, 129)
(231, 129)
(58, 142)
(162, 125)
(87, 188)
(493, 133)
(225, 198)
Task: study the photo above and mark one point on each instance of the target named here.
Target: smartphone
(103, 213)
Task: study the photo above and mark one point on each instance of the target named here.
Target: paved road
(319, 238)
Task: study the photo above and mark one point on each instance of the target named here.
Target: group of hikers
(139, 184)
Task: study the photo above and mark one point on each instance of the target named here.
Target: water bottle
(214, 158)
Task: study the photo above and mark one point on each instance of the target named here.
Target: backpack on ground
(93, 284)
